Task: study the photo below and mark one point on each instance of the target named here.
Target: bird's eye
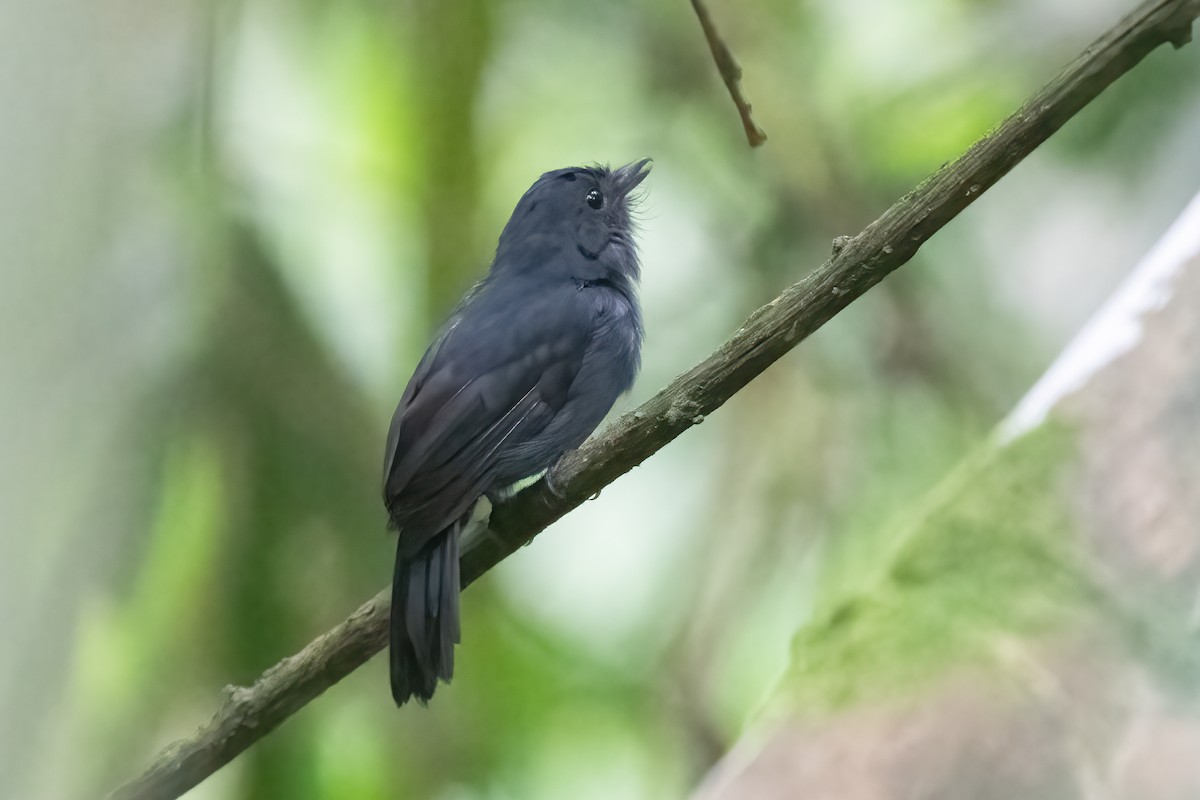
(595, 199)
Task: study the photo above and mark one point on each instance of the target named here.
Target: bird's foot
(548, 478)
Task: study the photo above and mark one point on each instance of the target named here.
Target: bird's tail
(424, 623)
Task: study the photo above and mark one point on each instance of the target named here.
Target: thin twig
(249, 714)
(731, 73)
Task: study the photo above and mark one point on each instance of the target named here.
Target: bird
(525, 368)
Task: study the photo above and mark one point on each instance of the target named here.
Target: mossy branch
(857, 264)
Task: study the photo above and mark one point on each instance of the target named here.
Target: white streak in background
(1116, 328)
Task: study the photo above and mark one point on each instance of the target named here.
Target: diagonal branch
(731, 73)
(857, 264)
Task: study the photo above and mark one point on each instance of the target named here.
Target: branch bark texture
(857, 264)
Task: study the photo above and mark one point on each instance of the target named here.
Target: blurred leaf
(990, 558)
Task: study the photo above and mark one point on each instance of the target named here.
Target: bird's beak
(627, 178)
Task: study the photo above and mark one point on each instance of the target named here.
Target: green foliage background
(228, 228)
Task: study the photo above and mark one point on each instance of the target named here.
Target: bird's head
(573, 214)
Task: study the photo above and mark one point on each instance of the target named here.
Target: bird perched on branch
(525, 368)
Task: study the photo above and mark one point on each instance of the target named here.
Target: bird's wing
(462, 407)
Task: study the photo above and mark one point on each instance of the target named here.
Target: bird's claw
(549, 480)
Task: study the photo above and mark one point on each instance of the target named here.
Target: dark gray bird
(524, 370)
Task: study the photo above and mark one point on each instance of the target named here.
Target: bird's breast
(616, 339)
